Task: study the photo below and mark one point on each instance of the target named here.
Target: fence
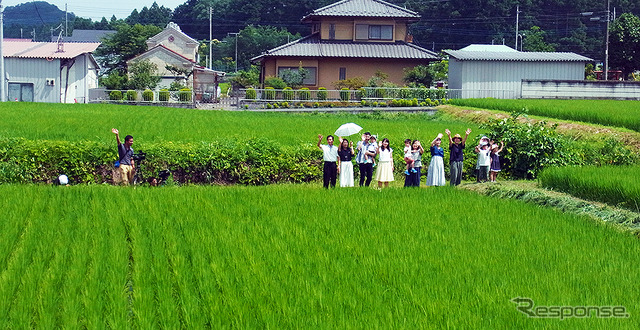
(366, 93)
(99, 95)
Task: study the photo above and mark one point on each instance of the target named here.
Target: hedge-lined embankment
(254, 162)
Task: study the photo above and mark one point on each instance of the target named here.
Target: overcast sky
(96, 9)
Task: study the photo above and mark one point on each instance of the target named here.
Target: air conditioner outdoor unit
(50, 82)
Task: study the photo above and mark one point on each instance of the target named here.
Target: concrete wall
(580, 89)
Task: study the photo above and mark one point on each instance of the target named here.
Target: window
(343, 74)
(310, 79)
(381, 32)
(22, 92)
(374, 32)
(315, 27)
(362, 31)
(332, 31)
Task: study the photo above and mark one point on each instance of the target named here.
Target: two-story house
(350, 38)
(172, 48)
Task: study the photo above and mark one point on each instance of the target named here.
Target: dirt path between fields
(572, 128)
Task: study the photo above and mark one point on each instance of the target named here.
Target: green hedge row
(254, 162)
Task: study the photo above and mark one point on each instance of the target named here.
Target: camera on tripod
(140, 156)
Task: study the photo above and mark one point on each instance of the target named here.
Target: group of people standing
(338, 160)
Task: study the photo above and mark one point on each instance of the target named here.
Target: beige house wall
(345, 28)
(329, 68)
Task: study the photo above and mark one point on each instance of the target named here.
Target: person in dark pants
(413, 179)
(330, 157)
(360, 158)
(369, 156)
(456, 156)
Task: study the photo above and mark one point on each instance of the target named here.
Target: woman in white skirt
(345, 167)
(384, 173)
(435, 174)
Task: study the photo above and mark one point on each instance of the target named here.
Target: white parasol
(348, 129)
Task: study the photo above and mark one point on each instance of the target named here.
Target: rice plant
(615, 185)
(299, 256)
(603, 112)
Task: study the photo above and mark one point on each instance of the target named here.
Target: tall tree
(624, 44)
(534, 41)
(125, 44)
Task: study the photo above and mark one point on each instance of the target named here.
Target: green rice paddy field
(296, 256)
(288, 256)
(93, 122)
(604, 112)
(614, 185)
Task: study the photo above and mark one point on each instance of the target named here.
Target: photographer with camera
(125, 165)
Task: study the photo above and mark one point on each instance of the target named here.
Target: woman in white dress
(345, 166)
(384, 173)
(435, 174)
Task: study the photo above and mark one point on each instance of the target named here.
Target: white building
(173, 48)
(49, 72)
(497, 71)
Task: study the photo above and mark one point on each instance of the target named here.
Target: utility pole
(606, 48)
(517, 21)
(210, 36)
(3, 93)
(236, 34)
(66, 26)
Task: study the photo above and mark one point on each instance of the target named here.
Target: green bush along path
(290, 256)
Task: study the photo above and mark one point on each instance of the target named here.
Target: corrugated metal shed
(49, 50)
(312, 46)
(363, 8)
(483, 73)
(517, 56)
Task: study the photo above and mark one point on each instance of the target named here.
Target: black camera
(140, 156)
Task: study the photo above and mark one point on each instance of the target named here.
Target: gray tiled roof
(517, 56)
(85, 36)
(363, 8)
(312, 46)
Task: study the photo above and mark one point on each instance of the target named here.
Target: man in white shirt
(330, 157)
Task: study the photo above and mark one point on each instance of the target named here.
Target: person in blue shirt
(127, 165)
(435, 173)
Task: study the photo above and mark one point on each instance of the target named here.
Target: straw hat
(457, 136)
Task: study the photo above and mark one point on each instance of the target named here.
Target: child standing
(495, 161)
(484, 160)
(408, 157)
(435, 173)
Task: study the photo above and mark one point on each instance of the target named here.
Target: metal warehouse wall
(508, 75)
(35, 71)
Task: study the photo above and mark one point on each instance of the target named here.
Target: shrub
(304, 94)
(322, 94)
(254, 161)
(132, 95)
(184, 95)
(115, 95)
(251, 94)
(269, 106)
(344, 94)
(288, 93)
(163, 95)
(147, 95)
(275, 82)
(269, 93)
